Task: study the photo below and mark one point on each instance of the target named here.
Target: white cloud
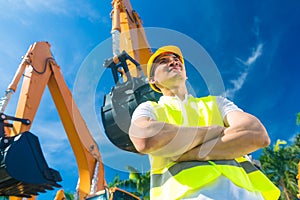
(256, 53)
(256, 29)
(20, 9)
(54, 143)
(291, 139)
(240, 80)
(54, 6)
(237, 85)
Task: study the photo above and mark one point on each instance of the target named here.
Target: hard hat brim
(162, 50)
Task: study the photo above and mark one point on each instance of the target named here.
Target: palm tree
(298, 119)
(69, 195)
(280, 165)
(297, 143)
(137, 183)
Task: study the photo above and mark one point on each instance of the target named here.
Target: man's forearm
(236, 141)
(222, 148)
(167, 140)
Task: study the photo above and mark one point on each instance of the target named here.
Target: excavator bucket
(118, 107)
(123, 99)
(24, 171)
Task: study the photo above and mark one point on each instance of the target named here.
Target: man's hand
(243, 135)
(168, 140)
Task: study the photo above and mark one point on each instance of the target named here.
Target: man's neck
(180, 92)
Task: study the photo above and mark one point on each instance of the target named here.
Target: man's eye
(162, 61)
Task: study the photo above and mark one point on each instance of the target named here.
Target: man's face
(168, 69)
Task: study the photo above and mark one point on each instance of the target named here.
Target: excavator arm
(40, 70)
(131, 52)
(129, 35)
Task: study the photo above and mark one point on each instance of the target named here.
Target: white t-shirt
(214, 190)
(146, 109)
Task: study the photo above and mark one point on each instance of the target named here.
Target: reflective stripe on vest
(171, 180)
(160, 179)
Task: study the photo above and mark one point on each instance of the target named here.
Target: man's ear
(151, 80)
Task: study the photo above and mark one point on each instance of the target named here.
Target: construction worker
(196, 146)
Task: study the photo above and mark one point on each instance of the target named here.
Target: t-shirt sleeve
(226, 106)
(145, 109)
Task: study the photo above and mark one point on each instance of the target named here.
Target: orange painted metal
(41, 70)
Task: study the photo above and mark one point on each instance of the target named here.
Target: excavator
(24, 172)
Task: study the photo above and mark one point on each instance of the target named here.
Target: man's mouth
(175, 68)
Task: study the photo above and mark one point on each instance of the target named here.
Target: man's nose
(173, 63)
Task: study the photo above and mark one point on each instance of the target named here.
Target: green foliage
(298, 119)
(69, 196)
(280, 164)
(137, 183)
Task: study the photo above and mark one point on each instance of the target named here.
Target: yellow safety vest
(174, 180)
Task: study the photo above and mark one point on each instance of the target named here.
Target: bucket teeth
(23, 170)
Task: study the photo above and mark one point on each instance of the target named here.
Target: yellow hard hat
(161, 50)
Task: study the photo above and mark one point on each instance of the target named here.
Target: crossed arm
(243, 133)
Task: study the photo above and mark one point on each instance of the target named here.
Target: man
(197, 145)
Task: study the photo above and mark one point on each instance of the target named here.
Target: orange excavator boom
(40, 70)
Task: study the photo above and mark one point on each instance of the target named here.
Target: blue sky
(254, 46)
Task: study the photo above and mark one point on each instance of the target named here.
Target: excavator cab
(119, 194)
(120, 103)
(100, 195)
(23, 168)
(113, 194)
